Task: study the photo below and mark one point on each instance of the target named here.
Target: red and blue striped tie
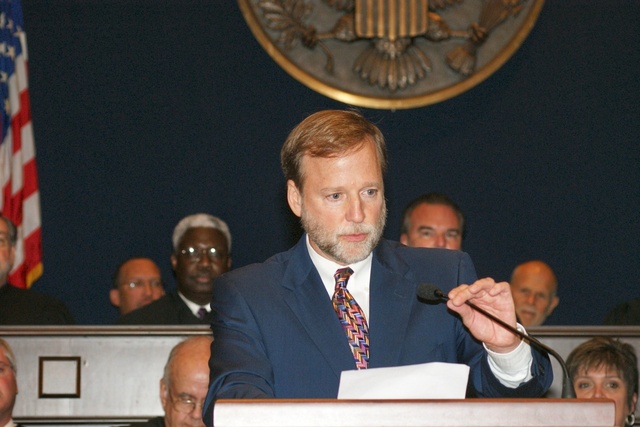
(352, 318)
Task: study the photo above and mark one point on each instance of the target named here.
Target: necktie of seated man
(201, 313)
(352, 318)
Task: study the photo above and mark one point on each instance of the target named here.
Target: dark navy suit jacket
(29, 307)
(276, 333)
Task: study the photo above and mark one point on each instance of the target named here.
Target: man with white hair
(201, 252)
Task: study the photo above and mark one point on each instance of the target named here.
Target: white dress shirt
(193, 306)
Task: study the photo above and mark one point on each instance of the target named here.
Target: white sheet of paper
(424, 381)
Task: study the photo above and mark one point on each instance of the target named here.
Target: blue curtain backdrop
(146, 111)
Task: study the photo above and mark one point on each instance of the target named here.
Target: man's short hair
(13, 231)
(9, 353)
(327, 134)
(200, 220)
(433, 198)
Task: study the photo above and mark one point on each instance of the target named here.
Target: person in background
(136, 283)
(288, 328)
(8, 384)
(184, 384)
(432, 220)
(627, 313)
(534, 287)
(24, 306)
(606, 368)
(201, 252)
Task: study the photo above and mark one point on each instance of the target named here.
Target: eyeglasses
(133, 284)
(196, 254)
(185, 405)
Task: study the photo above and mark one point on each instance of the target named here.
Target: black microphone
(430, 293)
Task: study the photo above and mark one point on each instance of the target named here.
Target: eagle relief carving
(389, 46)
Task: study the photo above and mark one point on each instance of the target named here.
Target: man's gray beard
(332, 246)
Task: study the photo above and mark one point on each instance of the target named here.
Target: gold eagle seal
(390, 54)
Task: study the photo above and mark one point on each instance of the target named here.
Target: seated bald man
(534, 286)
(136, 283)
(184, 385)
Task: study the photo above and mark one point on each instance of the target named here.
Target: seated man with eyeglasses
(136, 283)
(184, 385)
(201, 252)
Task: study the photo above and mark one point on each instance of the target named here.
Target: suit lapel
(307, 298)
(390, 306)
(183, 313)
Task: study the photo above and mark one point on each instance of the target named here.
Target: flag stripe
(30, 178)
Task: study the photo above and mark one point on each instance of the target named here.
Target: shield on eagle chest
(391, 19)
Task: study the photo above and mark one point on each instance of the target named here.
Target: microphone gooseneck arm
(432, 294)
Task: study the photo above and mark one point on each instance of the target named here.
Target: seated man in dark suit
(288, 328)
(24, 306)
(201, 252)
(184, 384)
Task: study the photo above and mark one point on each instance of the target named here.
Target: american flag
(20, 200)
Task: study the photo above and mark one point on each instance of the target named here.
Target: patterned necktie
(352, 318)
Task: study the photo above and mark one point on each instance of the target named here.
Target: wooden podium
(425, 413)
